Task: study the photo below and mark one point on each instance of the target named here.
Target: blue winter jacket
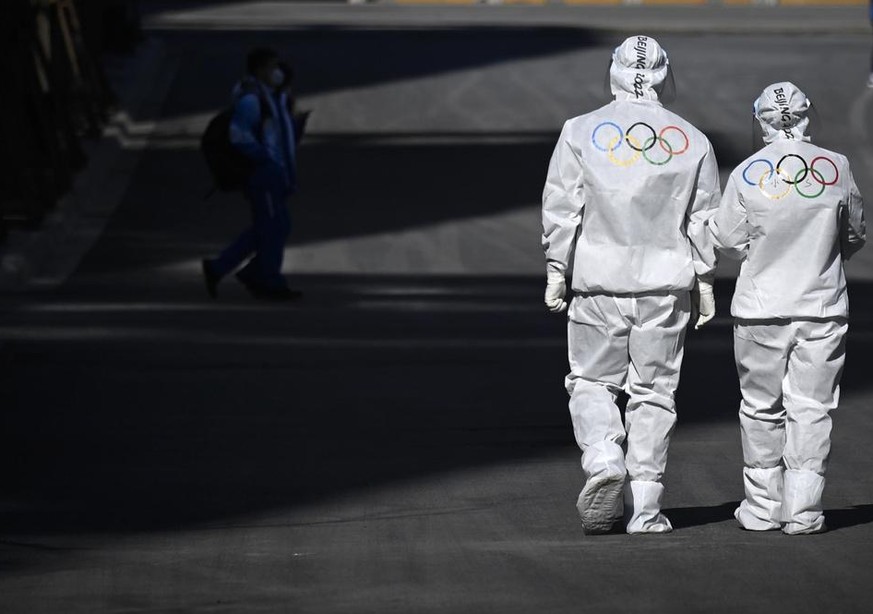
(267, 139)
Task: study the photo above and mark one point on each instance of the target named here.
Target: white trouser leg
(656, 348)
(597, 340)
(812, 390)
(789, 377)
(603, 458)
(597, 345)
(761, 353)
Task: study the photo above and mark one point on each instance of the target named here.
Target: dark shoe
(210, 278)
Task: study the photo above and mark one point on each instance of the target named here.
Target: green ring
(820, 182)
(651, 142)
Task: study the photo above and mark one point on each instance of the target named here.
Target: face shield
(639, 70)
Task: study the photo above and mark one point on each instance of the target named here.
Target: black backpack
(229, 167)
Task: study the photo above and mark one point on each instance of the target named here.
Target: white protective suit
(628, 192)
(792, 213)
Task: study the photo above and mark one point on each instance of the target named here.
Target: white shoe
(761, 510)
(750, 522)
(870, 81)
(821, 528)
(599, 503)
(643, 508)
(802, 503)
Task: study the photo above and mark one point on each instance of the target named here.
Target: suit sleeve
(853, 228)
(701, 208)
(563, 202)
(729, 226)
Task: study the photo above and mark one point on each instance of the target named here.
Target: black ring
(653, 138)
(805, 168)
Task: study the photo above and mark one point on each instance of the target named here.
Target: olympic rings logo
(792, 171)
(641, 139)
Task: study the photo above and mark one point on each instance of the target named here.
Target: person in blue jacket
(262, 128)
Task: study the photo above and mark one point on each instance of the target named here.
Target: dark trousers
(265, 238)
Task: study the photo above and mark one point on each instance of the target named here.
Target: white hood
(639, 69)
(783, 112)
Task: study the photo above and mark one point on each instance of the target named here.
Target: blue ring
(601, 125)
(749, 165)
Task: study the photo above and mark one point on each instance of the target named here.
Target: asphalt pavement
(398, 440)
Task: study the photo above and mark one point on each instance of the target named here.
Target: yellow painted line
(452, 2)
(681, 2)
(592, 2)
(822, 2)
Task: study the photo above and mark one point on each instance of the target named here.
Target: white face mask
(277, 77)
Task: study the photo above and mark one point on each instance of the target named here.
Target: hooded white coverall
(792, 213)
(629, 188)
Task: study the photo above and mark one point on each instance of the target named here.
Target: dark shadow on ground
(849, 517)
(687, 517)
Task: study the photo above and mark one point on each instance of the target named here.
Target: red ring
(675, 152)
(836, 170)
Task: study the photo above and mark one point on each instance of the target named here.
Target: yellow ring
(638, 151)
(766, 175)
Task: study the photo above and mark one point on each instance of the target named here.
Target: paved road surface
(398, 441)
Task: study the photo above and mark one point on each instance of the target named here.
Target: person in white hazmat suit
(792, 213)
(628, 191)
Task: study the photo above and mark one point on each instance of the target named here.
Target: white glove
(556, 289)
(702, 303)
